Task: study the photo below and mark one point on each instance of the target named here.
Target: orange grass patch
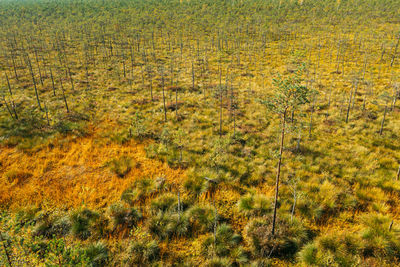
(72, 173)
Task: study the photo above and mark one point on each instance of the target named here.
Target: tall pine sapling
(290, 93)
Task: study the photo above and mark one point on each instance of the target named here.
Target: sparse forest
(199, 133)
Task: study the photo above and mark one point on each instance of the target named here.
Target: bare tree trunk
(14, 108)
(311, 117)
(355, 94)
(348, 107)
(64, 97)
(176, 102)
(33, 80)
(395, 51)
(47, 114)
(40, 72)
(278, 172)
(70, 79)
(383, 120)
(163, 94)
(7, 107)
(294, 204)
(179, 205)
(52, 82)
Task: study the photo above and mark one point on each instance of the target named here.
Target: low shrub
(121, 166)
(123, 217)
(288, 238)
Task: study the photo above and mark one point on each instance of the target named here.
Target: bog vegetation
(199, 132)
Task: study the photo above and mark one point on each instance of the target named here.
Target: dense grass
(147, 140)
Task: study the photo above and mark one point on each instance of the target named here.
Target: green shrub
(142, 252)
(201, 218)
(50, 226)
(86, 223)
(226, 244)
(333, 249)
(97, 254)
(257, 205)
(169, 225)
(139, 191)
(25, 216)
(123, 217)
(288, 238)
(218, 262)
(165, 202)
(121, 166)
(378, 240)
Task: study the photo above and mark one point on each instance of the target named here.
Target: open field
(155, 133)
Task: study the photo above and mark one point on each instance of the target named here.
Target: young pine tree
(289, 94)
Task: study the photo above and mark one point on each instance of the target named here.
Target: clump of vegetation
(87, 223)
(97, 254)
(207, 132)
(288, 239)
(121, 166)
(51, 225)
(123, 217)
(256, 205)
(139, 191)
(338, 250)
(17, 176)
(143, 252)
(169, 225)
(225, 243)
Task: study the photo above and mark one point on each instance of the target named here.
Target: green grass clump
(97, 254)
(121, 166)
(123, 217)
(86, 223)
(256, 205)
(225, 245)
(288, 238)
(333, 249)
(143, 252)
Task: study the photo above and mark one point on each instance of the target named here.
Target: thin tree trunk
(8, 107)
(193, 77)
(355, 94)
(70, 79)
(220, 100)
(294, 204)
(47, 114)
(34, 81)
(176, 102)
(395, 51)
(179, 205)
(14, 108)
(383, 120)
(14, 66)
(163, 94)
(52, 82)
(40, 73)
(278, 172)
(64, 97)
(348, 107)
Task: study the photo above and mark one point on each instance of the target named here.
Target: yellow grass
(73, 173)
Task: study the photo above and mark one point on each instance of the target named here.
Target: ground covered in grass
(140, 133)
